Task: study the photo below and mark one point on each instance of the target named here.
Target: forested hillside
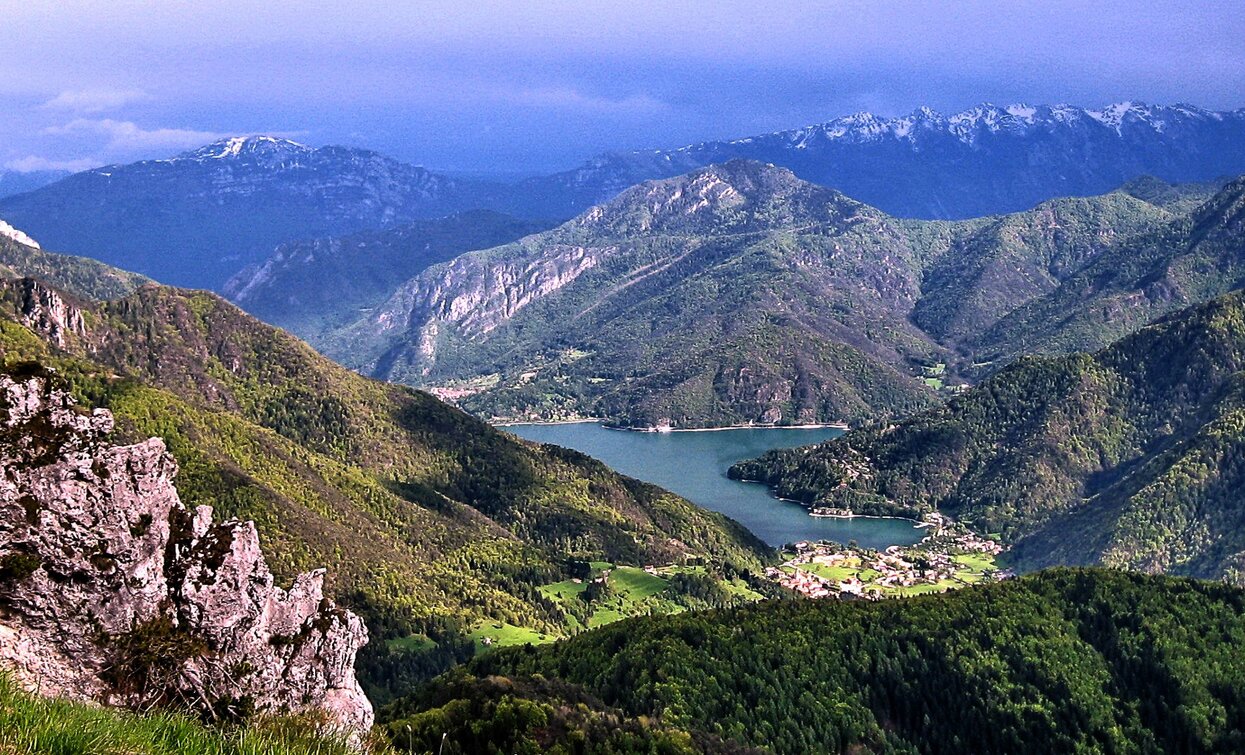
(1192, 259)
(1133, 456)
(1063, 661)
(429, 521)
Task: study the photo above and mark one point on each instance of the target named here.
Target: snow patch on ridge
(1022, 111)
(1112, 115)
(18, 236)
(969, 125)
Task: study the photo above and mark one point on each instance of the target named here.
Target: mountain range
(200, 218)
(689, 288)
(737, 294)
(834, 311)
(982, 161)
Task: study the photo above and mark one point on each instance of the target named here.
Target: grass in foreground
(37, 725)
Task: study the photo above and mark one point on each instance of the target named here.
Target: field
(413, 642)
(564, 589)
(631, 591)
(499, 634)
(907, 591)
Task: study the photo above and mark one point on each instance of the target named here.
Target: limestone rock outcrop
(112, 591)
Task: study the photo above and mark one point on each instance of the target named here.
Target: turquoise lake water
(694, 464)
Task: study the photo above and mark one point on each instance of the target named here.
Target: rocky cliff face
(112, 591)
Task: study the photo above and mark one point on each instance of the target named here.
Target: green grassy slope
(39, 726)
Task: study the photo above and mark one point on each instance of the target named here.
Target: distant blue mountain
(198, 218)
(16, 182)
(983, 161)
(201, 217)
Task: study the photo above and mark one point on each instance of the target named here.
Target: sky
(517, 87)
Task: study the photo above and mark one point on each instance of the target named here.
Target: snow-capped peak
(238, 146)
(9, 231)
(968, 125)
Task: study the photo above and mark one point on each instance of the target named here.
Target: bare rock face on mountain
(112, 591)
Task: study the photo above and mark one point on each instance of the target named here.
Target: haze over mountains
(836, 311)
(311, 286)
(17, 182)
(201, 217)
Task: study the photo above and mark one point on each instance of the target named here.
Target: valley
(347, 409)
(431, 522)
(468, 549)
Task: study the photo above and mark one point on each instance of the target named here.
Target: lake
(694, 464)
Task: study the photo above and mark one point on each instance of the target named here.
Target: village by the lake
(950, 557)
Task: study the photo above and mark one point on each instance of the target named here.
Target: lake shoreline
(827, 426)
(693, 465)
(916, 523)
(548, 423)
(608, 426)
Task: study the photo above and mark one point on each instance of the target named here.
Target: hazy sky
(524, 85)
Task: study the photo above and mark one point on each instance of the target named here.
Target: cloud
(95, 100)
(127, 136)
(32, 163)
(572, 99)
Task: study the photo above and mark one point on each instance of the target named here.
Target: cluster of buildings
(931, 562)
(969, 542)
(803, 582)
